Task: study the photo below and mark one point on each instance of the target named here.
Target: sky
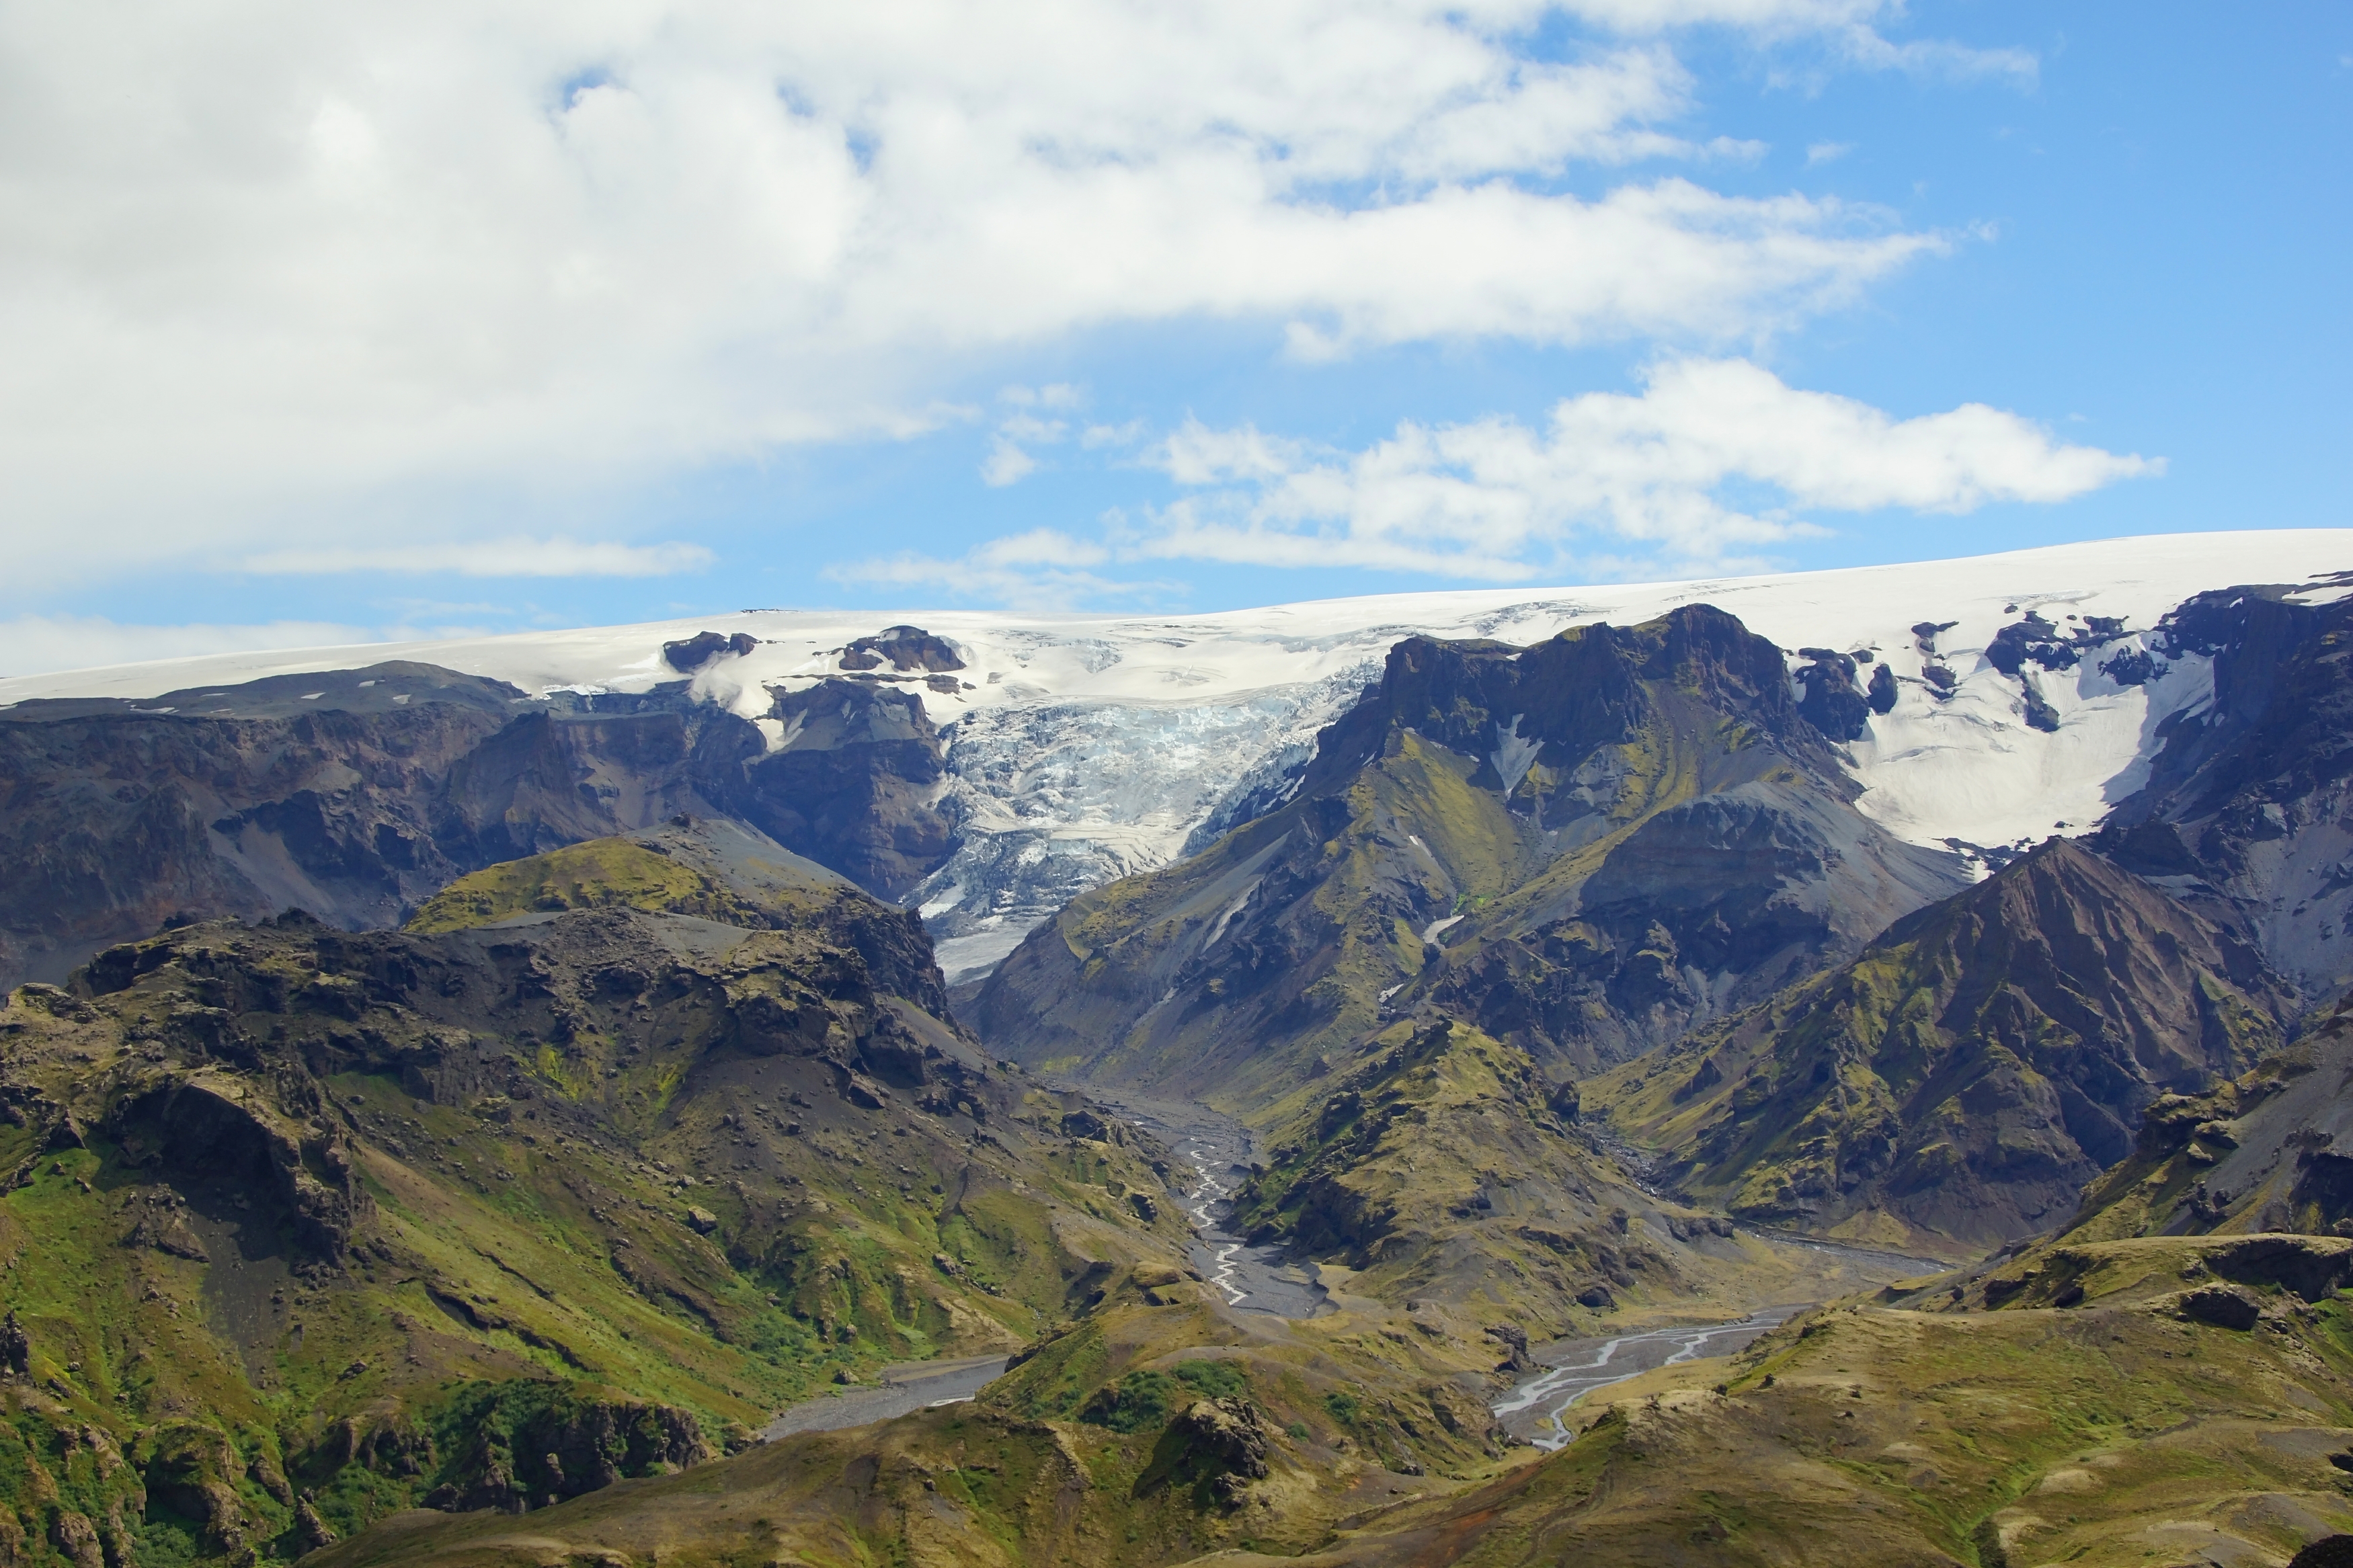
(331, 324)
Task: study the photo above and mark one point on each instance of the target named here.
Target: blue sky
(435, 324)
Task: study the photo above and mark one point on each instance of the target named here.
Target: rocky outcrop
(525, 1451)
(855, 784)
(2270, 1151)
(691, 654)
(1224, 1442)
(1831, 704)
(1966, 1075)
(905, 649)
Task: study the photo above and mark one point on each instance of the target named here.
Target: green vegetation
(307, 1228)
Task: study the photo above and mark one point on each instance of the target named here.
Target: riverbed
(907, 1386)
(1534, 1410)
(1220, 1149)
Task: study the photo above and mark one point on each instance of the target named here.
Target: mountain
(1442, 1170)
(1964, 1077)
(1077, 749)
(2263, 1153)
(617, 1151)
(1560, 948)
(1584, 846)
(353, 794)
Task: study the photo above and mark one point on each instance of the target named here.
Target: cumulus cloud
(257, 262)
(1707, 469)
(1651, 472)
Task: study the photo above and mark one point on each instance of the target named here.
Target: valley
(1850, 1067)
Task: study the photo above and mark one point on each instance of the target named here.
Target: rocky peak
(691, 654)
(1555, 703)
(904, 649)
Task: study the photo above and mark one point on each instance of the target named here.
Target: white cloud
(35, 644)
(1043, 569)
(1655, 472)
(1009, 460)
(490, 558)
(1827, 151)
(1708, 468)
(259, 263)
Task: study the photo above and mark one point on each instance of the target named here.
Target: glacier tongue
(1053, 798)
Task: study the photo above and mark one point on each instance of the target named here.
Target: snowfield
(1083, 747)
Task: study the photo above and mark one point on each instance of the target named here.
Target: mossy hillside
(2106, 1435)
(1941, 1090)
(1439, 1167)
(1436, 1165)
(521, 1213)
(603, 873)
(2260, 1152)
(1080, 1454)
(2114, 1432)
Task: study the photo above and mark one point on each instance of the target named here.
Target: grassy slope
(2112, 1433)
(1358, 1410)
(547, 1246)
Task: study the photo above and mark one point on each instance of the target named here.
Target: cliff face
(1966, 1075)
(2249, 801)
(1584, 847)
(357, 793)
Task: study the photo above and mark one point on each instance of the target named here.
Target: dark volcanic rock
(700, 650)
(904, 649)
(1976, 1064)
(2251, 793)
(1831, 704)
(2271, 1151)
(1883, 690)
(854, 785)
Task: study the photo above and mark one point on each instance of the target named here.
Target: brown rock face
(1974, 1068)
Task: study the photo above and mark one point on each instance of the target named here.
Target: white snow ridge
(1083, 747)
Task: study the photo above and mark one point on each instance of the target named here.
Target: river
(1533, 1410)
